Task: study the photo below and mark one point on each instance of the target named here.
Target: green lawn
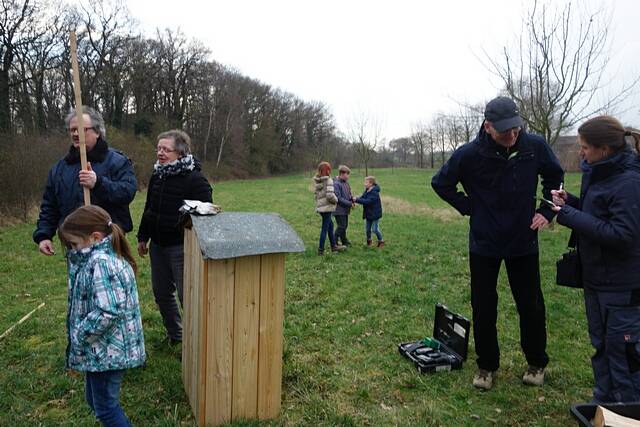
(344, 316)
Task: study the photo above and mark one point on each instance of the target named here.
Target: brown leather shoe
(368, 242)
(381, 244)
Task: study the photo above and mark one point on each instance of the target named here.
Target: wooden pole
(79, 116)
(8, 331)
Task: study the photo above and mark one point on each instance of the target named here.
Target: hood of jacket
(375, 189)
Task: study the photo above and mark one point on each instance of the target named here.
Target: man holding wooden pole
(73, 179)
(109, 177)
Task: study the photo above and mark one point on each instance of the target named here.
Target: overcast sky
(401, 61)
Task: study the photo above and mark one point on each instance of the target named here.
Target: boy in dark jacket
(342, 190)
(372, 209)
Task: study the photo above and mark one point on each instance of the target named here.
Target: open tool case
(447, 349)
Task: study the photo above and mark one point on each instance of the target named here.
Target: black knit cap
(503, 114)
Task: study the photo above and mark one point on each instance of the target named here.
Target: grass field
(344, 316)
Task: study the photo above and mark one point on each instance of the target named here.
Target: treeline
(431, 141)
(239, 125)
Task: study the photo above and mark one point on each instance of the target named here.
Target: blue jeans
(373, 225)
(102, 391)
(327, 229)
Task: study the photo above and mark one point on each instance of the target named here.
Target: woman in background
(326, 202)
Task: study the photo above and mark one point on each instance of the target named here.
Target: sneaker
(381, 244)
(338, 248)
(533, 376)
(320, 252)
(483, 379)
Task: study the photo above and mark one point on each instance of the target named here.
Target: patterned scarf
(182, 165)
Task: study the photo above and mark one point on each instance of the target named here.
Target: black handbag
(568, 267)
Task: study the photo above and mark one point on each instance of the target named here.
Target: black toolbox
(447, 349)
(584, 412)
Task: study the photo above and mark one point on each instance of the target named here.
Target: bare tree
(365, 132)
(402, 148)
(419, 139)
(439, 128)
(17, 19)
(557, 70)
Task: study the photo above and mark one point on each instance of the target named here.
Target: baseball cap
(503, 114)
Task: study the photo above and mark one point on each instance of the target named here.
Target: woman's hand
(142, 249)
(559, 197)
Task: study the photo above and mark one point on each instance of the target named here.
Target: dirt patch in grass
(395, 205)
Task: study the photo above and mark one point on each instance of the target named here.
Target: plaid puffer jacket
(103, 320)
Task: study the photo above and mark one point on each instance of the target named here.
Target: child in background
(372, 209)
(103, 319)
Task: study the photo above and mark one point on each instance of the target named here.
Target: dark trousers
(102, 391)
(326, 230)
(524, 280)
(614, 330)
(167, 266)
(342, 222)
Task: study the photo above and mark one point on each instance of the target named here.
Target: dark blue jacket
(114, 190)
(500, 188)
(371, 204)
(343, 193)
(606, 219)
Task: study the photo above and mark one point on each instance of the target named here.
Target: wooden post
(80, 118)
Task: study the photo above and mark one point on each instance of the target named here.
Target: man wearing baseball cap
(499, 173)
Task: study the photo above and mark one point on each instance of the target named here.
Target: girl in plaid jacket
(103, 320)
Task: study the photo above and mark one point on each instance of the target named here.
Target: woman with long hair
(326, 202)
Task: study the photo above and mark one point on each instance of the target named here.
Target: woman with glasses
(176, 177)
(109, 177)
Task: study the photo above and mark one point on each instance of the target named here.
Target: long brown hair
(324, 169)
(607, 131)
(89, 219)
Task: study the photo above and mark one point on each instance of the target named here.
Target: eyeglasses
(74, 129)
(165, 150)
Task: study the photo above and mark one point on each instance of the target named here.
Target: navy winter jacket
(371, 204)
(500, 188)
(114, 190)
(606, 219)
(343, 193)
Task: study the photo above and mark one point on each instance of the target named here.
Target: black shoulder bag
(568, 268)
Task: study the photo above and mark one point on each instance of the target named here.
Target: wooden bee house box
(233, 314)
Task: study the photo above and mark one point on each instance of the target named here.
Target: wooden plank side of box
(270, 335)
(219, 348)
(245, 337)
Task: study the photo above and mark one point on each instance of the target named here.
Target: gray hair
(97, 122)
(181, 140)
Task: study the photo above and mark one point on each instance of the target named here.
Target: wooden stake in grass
(80, 118)
(24, 318)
